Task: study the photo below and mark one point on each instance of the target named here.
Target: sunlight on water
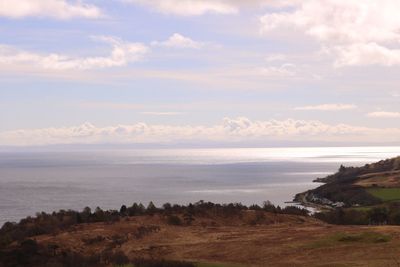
(241, 155)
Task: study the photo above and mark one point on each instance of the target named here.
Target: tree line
(48, 223)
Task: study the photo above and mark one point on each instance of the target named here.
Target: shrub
(142, 231)
(174, 220)
(93, 240)
(123, 210)
(118, 258)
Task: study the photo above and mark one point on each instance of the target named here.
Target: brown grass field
(382, 179)
(270, 240)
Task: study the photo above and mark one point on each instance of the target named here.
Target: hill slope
(275, 240)
(355, 186)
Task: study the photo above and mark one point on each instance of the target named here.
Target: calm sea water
(53, 180)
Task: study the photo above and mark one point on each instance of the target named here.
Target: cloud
(229, 130)
(356, 32)
(275, 57)
(340, 20)
(366, 54)
(121, 54)
(58, 9)
(395, 94)
(111, 105)
(179, 41)
(201, 7)
(188, 7)
(157, 113)
(384, 114)
(284, 70)
(328, 107)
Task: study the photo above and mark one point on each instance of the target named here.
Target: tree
(151, 208)
(142, 209)
(86, 214)
(268, 206)
(342, 168)
(167, 206)
(123, 210)
(87, 210)
(378, 215)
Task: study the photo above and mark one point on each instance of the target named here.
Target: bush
(174, 220)
(295, 211)
(119, 258)
(344, 217)
(142, 231)
(94, 240)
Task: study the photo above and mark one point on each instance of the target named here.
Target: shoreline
(301, 199)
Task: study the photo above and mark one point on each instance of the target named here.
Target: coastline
(301, 199)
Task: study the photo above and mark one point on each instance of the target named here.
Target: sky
(199, 71)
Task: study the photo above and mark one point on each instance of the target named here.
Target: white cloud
(356, 32)
(59, 9)
(328, 107)
(179, 41)
(111, 105)
(189, 7)
(341, 20)
(158, 113)
(395, 94)
(121, 54)
(201, 7)
(384, 114)
(284, 70)
(366, 54)
(275, 57)
(236, 130)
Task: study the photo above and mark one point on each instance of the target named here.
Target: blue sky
(134, 71)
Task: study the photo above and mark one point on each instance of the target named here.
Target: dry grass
(382, 179)
(278, 240)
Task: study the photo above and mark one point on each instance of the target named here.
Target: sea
(48, 180)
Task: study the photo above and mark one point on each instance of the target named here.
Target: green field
(346, 238)
(385, 194)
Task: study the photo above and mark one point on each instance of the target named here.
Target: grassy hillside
(368, 185)
(277, 240)
(385, 194)
(72, 238)
(351, 174)
(359, 195)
